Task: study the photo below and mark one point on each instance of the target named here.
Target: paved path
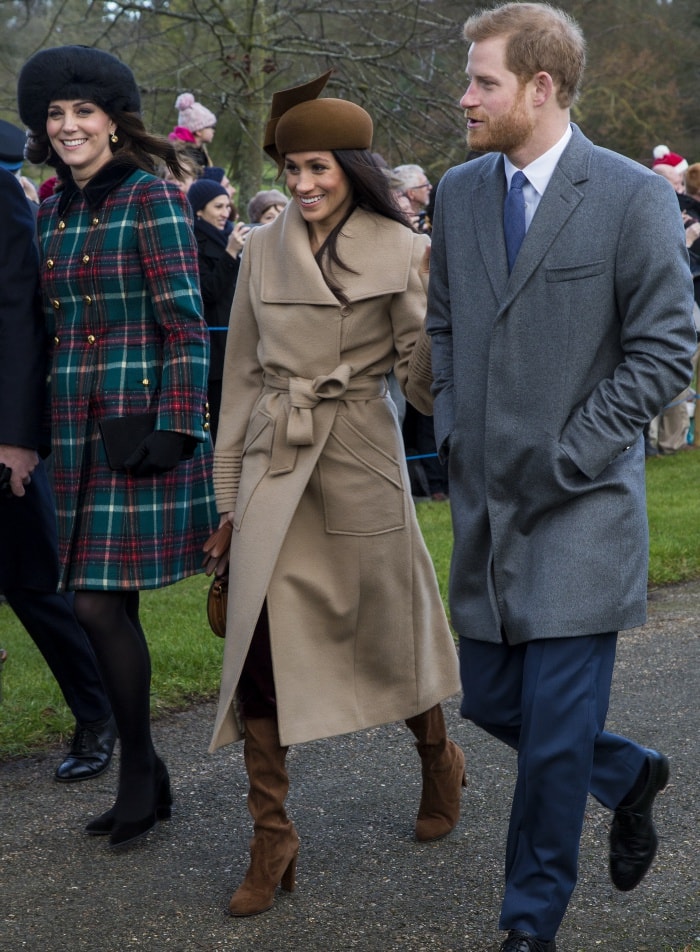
(363, 883)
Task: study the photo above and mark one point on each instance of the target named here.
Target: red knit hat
(664, 156)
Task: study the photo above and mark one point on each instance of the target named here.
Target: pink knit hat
(193, 115)
(664, 156)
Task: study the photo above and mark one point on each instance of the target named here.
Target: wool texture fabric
(12, 142)
(192, 114)
(74, 72)
(261, 201)
(664, 156)
(214, 172)
(299, 122)
(201, 192)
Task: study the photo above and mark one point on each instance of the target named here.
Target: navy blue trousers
(49, 619)
(28, 579)
(548, 700)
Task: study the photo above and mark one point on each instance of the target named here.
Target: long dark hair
(134, 143)
(371, 191)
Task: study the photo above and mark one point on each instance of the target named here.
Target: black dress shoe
(90, 751)
(519, 941)
(633, 839)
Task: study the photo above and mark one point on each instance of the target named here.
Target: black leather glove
(160, 452)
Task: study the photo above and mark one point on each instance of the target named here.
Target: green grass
(187, 656)
(673, 505)
(186, 659)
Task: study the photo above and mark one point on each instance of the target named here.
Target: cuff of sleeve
(420, 375)
(227, 477)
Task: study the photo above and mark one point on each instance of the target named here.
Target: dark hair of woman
(370, 188)
(134, 143)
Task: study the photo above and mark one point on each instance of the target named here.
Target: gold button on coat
(87, 299)
(91, 338)
(56, 305)
(86, 258)
(49, 263)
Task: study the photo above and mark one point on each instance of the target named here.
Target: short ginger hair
(539, 37)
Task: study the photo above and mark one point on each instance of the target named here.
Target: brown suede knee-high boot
(275, 844)
(443, 775)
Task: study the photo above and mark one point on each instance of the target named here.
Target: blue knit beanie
(201, 192)
(214, 172)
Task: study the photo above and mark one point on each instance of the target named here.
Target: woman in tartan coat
(119, 276)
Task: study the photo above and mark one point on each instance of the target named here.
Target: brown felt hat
(299, 122)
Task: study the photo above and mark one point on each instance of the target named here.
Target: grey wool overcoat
(544, 380)
(310, 459)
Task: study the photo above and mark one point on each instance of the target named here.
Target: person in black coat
(28, 547)
(219, 244)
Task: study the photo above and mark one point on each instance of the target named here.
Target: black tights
(111, 620)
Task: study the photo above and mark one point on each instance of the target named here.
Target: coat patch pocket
(256, 462)
(361, 485)
(576, 272)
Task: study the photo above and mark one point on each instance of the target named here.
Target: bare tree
(401, 59)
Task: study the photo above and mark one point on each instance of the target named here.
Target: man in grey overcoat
(546, 369)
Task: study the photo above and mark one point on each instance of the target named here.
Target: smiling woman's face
(216, 212)
(79, 132)
(319, 187)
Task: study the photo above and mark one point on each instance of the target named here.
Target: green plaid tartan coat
(119, 278)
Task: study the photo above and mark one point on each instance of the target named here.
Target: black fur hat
(74, 72)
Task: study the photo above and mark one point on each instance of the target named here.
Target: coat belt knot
(304, 395)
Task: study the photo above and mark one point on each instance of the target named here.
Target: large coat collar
(99, 187)
(562, 196)
(377, 250)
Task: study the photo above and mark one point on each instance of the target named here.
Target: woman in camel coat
(338, 622)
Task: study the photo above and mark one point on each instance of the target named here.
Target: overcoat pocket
(363, 493)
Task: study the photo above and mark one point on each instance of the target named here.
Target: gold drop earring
(113, 138)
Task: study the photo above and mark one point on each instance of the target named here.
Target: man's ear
(542, 88)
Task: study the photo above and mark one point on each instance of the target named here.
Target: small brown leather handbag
(216, 562)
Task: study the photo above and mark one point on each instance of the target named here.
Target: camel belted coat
(309, 457)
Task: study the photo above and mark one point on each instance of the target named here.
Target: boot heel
(165, 794)
(289, 876)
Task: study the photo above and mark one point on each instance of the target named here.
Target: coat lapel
(487, 204)
(367, 245)
(560, 200)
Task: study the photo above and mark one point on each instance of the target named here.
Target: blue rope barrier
(678, 403)
(669, 406)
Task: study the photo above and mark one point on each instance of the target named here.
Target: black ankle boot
(105, 824)
(125, 832)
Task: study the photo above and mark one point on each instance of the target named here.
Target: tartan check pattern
(121, 295)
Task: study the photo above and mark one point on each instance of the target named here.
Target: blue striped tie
(514, 217)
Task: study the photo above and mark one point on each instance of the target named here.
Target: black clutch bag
(121, 436)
